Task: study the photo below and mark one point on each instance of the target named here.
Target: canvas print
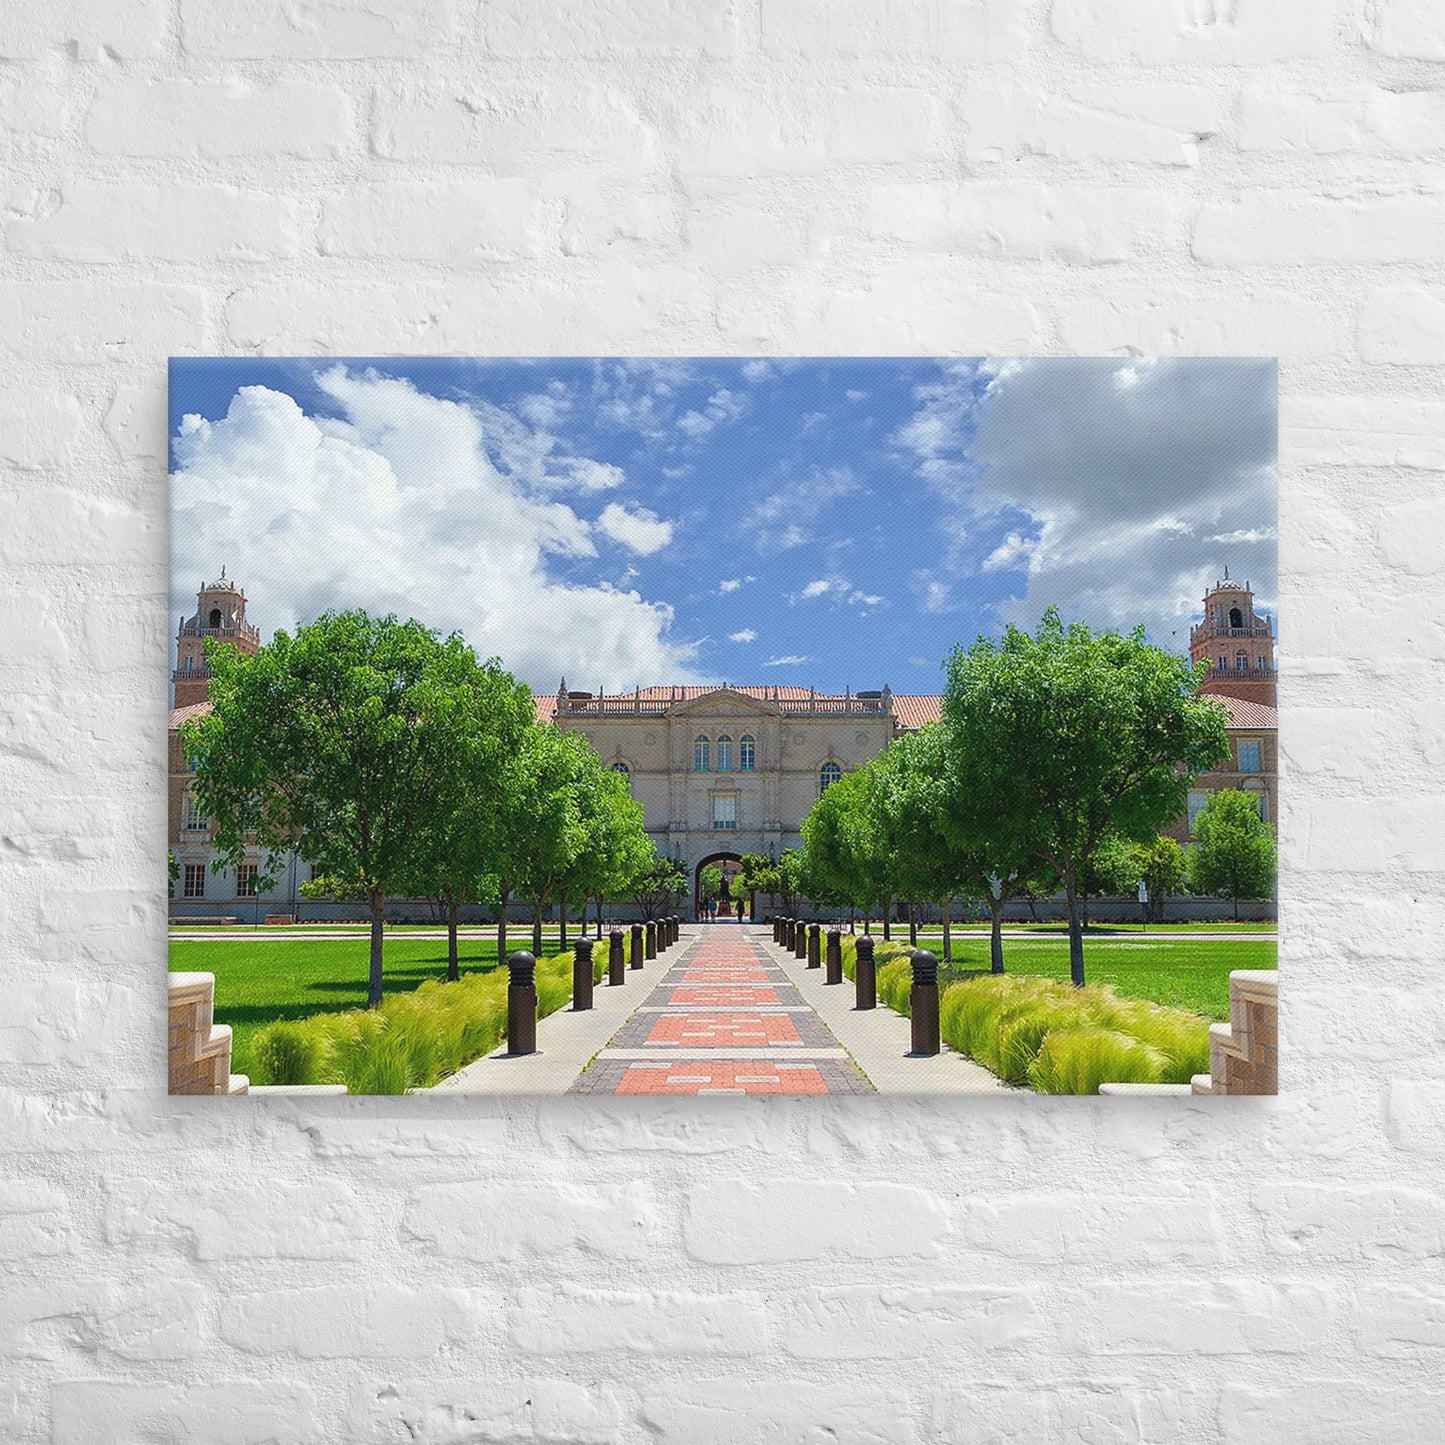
(715, 727)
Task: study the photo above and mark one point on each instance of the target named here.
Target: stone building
(719, 771)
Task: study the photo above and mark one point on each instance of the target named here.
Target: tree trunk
(995, 943)
(502, 927)
(453, 963)
(537, 905)
(948, 930)
(1076, 933)
(912, 924)
(378, 919)
(1236, 909)
(887, 911)
(562, 914)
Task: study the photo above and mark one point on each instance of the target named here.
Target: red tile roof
(179, 715)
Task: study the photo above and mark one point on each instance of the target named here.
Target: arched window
(1223, 663)
(747, 754)
(1241, 661)
(190, 663)
(724, 753)
(828, 774)
(215, 617)
(1236, 617)
(620, 767)
(1259, 661)
(699, 755)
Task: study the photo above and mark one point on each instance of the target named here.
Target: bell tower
(220, 614)
(1238, 644)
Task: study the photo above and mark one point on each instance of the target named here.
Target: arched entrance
(730, 864)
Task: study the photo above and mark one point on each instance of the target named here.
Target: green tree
(1076, 734)
(839, 866)
(615, 849)
(1163, 866)
(173, 873)
(711, 880)
(1111, 870)
(660, 882)
(458, 836)
(333, 741)
(1235, 856)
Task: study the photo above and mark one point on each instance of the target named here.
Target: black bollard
(835, 956)
(776, 934)
(787, 938)
(582, 975)
(800, 940)
(521, 1003)
(616, 958)
(923, 1002)
(651, 939)
(865, 975)
(815, 946)
(637, 945)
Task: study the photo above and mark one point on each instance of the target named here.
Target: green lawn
(258, 983)
(1192, 975)
(1100, 930)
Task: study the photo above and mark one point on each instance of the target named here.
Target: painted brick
(1156, 124)
(510, 28)
(87, 323)
(1330, 1412)
(155, 1319)
(112, 1412)
(1078, 224)
(230, 118)
(1076, 1229)
(1208, 1316)
(321, 1220)
(722, 132)
(34, 1220)
(668, 1127)
(1338, 1222)
(494, 1222)
(1402, 326)
(511, 130)
(1371, 431)
(1118, 1411)
(37, 428)
(32, 110)
(953, 31)
(1356, 119)
(1398, 1320)
(788, 1412)
(1241, 32)
(438, 1413)
(1403, 536)
(134, 222)
(128, 29)
(1337, 837)
(1169, 322)
(735, 1222)
(899, 1323)
(1411, 29)
(666, 1322)
(323, 30)
(350, 1319)
(1417, 1113)
(1281, 227)
(459, 223)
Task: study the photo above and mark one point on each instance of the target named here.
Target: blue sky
(822, 522)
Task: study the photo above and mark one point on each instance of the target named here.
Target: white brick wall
(679, 176)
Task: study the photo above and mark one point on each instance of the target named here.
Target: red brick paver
(723, 1019)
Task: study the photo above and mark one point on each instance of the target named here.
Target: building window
(1241, 661)
(1249, 757)
(195, 820)
(1223, 663)
(1236, 617)
(193, 884)
(246, 881)
(1196, 803)
(699, 755)
(828, 774)
(1259, 661)
(1263, 806)
(724, 753)
(747, 754)
(215, 617)
(724, 810)
(620, 767)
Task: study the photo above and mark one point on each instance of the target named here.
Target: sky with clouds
(828, 523)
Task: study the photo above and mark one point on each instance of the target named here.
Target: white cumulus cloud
(746, 635)
(396, 505)
(641, 530)
(791, 660)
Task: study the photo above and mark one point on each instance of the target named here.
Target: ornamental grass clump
(1061, 1039)
(412, 1040)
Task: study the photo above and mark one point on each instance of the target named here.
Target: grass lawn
(257, 984)
(1184, 975)
(1101, 930)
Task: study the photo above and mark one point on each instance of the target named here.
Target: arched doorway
(730, 864)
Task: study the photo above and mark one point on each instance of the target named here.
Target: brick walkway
(724, 1019)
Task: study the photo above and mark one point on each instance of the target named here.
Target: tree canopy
(1074, 734)
(1236, 855)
